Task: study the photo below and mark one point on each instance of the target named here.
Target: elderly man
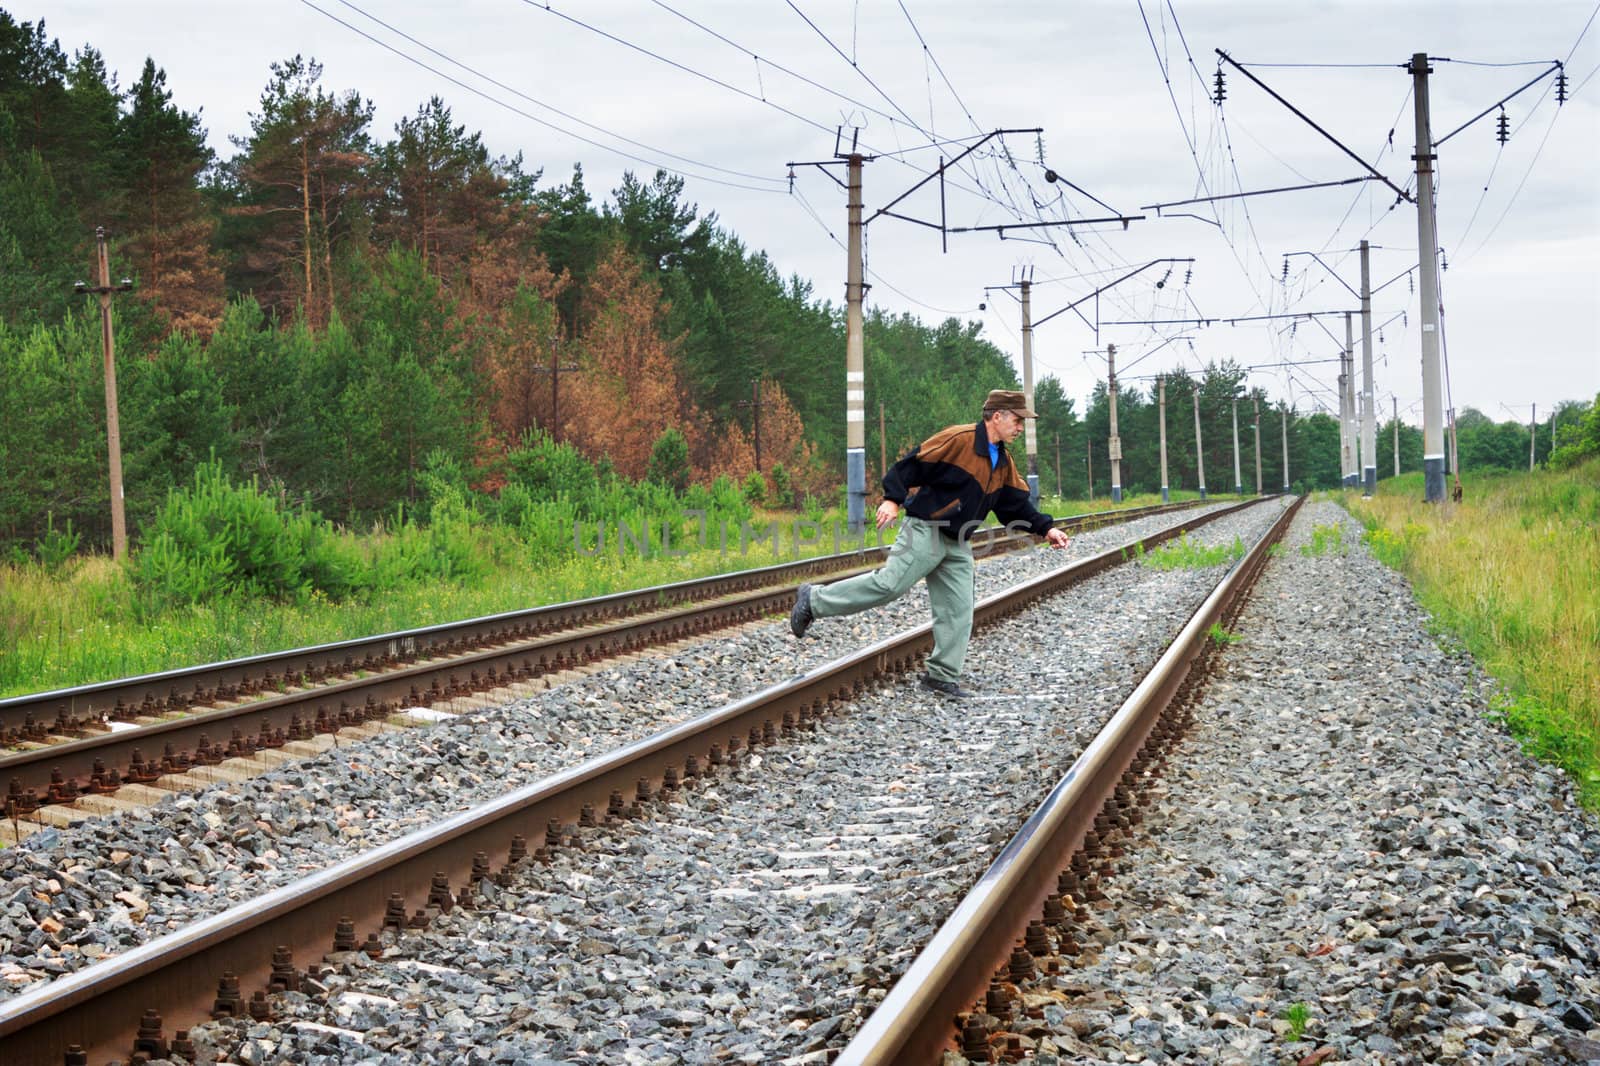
(947, 485)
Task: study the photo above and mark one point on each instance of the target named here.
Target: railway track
(103, 748)
(417, 878)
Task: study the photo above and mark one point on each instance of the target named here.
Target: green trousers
(920, 551)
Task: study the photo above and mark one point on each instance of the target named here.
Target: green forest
(348, 318)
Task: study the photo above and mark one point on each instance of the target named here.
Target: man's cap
(1008, 400)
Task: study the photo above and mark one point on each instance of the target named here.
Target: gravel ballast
(1349, 860)
(1346, 860)
(760, 916)
(73, 896)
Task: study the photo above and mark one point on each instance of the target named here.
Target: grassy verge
(1513, 573)
(82, 622)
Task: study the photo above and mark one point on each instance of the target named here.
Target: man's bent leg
(916, 551)
(950, 595)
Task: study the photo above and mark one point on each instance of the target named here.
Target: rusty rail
(97, 1009)
(171, 690)
(916, 1020)
(416, 668)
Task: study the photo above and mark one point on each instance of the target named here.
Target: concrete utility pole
(1257, 405)
(1284, 424)
(1029, 437)
(1238, 482)
(855, 376)
(1161, 403)
(1114, 446)
(1344, 425)
(1396, 401)
(1199, 450)
(105, 290)
(1433, 457)
(1352, 432)
(1369, 414)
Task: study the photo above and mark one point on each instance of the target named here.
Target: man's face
(1004, 426)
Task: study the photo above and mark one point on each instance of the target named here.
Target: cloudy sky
(728, 92)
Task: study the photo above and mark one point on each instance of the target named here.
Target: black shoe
(800, 618)
(945, 688)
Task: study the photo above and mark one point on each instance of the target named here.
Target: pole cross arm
(1124, 219)
(1111, 284)
(1374, 171)
(1554, 67)
(82, 289)
(973, 147)
(823, 166)
(1334, 273)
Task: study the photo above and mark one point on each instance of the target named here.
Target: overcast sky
(1120, 90)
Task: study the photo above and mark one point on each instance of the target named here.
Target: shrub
(729, 499)
(56, 546)
(755, 488)
(669, 461)
(218, 539)
(782, 486)
(547, 469)
(334, 564)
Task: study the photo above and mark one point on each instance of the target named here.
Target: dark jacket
(955, 485)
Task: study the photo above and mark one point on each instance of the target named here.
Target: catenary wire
(549, 107)
(531, 117)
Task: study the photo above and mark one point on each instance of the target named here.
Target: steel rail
(97, 1008)
(28, 774)
(915, 1023)
(168, 689)
(427, 684)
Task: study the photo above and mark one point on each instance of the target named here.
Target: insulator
(1561, 86)
(1222, 92)
(1503, 128)
(1188, 273)
(1286, 270)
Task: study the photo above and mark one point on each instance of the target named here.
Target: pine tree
(629, 391)
(302, 178)
(169, 230)
(425, 172)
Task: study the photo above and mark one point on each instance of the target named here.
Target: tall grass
(1513, 572)
(92, 625)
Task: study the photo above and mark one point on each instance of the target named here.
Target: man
(947, 486)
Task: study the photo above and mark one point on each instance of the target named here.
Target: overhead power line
(535, 118)
(759, 60)
(760, 98)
